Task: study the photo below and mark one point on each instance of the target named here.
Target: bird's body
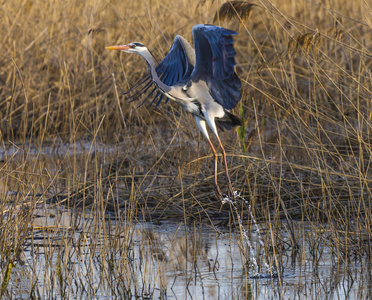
(203, 82)
(195, 99)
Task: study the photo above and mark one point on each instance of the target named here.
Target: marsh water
(69, 256)
(68, 251)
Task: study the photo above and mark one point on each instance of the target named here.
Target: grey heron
(203, 82)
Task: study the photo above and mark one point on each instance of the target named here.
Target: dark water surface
(77, 254)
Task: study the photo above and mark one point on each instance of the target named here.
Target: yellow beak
(119, 47)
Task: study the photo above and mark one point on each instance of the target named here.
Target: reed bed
(70, 138)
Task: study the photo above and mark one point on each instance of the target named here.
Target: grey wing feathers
(215, 61)
(177, 65)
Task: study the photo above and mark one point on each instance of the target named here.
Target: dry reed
(69, 138)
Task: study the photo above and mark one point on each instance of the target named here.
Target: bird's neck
(155, 78)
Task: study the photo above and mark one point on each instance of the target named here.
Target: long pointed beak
(119, 47)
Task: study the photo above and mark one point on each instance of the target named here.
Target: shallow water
(79, 254)
(76, 253)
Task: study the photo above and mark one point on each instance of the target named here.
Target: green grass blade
(241, 129)
(6, 278)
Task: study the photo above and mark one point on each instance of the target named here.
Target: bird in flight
(202, 81)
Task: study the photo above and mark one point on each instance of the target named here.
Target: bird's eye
(133, 46)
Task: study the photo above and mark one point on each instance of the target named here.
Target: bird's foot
(230, 196)
(231, 192)
(218, 193)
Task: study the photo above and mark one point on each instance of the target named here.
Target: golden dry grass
(306, 149)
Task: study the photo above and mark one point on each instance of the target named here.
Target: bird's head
(130, 48)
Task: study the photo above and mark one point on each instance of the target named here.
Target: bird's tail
(228, 122)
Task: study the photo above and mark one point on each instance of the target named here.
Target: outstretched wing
(177, 65)
(215, 61)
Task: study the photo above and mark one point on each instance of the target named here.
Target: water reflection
(82, 254)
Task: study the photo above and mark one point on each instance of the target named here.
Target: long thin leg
(213, 127)
(218, 191)
(226, 169)
(203, 128)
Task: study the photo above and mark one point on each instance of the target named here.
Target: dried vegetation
(69, 136)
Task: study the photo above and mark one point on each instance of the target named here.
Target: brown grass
(234, 10)
(69, 136)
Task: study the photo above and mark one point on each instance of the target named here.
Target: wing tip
(224, 31)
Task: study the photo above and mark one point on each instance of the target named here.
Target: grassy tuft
(234, 9)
